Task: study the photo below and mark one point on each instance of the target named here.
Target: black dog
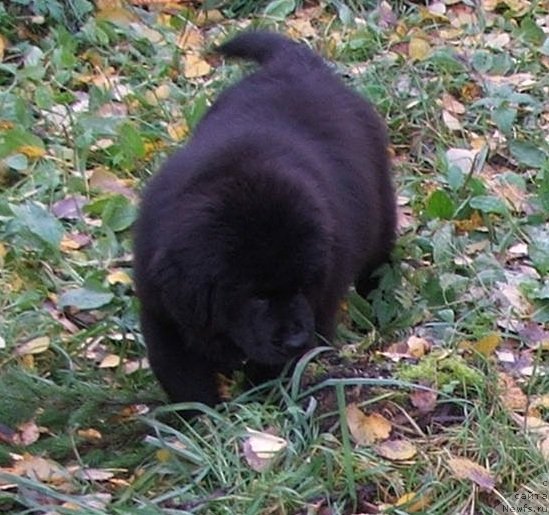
(251, 234)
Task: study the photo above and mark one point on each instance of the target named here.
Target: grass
(87, 114)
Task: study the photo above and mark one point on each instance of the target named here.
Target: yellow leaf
(414, 502)
(178, 131)
(110, 361)
(419, 49)
(417, 346)
(3, 45)
(195, 66)
(463, 468)
(396, 450)
(163, 455)
(90, 434)
(34, 346)
(116, 14)
(487, 345)
(367, 429)
(32, 151)
(119, 276)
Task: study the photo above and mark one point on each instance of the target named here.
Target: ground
(435, 396)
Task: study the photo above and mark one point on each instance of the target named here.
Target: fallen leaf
(163, 455)
(367, 429)
(424, 400)
(40, 469)
(32, 151)
(104, 180)
(543, 446)
(419, 49)
(450, 104)
(190, 39)
(451, 121)
(414, 502)
(110, 361)
(261, 448)
(195, 66)
(90, 434)
(487, 345)
(27, 433)
(74, 241)
(133, 365)
(178, 131)
(70, 208)
(462, 158)
(34, 346)
(93, 474)
(463, 468)
(417, 347)
(497, 41)
(396, 450)
(119, 277)
(510, 394)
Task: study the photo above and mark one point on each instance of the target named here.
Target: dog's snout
(297, 340)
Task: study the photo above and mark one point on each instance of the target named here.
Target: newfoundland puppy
(251, 234)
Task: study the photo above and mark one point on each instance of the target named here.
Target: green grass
(90, 111)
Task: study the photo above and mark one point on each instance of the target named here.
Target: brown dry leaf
(513, 297)
(419, 49)
(92, 474)
(396, 450)
(300, 28)
(367, 429)
(497, 41)
(40, 469)
(450, 104)
(261, 448)
(208, 17)
(34, 346)
(104, 180)
(463, 468)
(417, 347)
(120, 277)
(385, 15)
(27, 433)
(195, 66)
(90, 434)
(540, 401)
(510, 394)
(462, 158)
(190, 39)
(133, 365)
(116, 13)
(451, 121)
(424, 400)
(110, 361)
(532, 424)
(543, 446)
(3, 45)
(74, 241)
(414, 502)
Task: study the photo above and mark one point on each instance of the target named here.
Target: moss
(442, 371)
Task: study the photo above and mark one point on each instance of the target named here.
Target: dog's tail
(259, 46)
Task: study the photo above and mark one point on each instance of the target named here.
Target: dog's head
(247, 269)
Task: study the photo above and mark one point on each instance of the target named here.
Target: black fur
(250, 235)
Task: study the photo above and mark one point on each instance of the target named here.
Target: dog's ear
(186, 292)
